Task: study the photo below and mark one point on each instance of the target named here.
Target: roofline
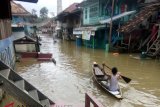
(31, 1)
(64, 11)
(21, 14)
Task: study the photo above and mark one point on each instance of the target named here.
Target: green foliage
(44, 13)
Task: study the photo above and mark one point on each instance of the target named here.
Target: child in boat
(112, 85)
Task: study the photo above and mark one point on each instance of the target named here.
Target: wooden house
(95, 29)
(22, 20)
(69, 19)
(48, 27)
(144, 29)
(26, 44)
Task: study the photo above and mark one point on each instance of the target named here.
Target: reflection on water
(71, 77)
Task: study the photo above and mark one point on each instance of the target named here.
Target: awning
(117, 17)
(17, 25)
(89, 28)
(87, 32)
(79, 31)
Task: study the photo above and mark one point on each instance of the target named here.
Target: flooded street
(71, 77)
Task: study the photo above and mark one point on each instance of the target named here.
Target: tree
(34, 12)
(44, 13)
(34, 16)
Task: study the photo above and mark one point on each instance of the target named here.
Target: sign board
(86, 35)
(76, 32)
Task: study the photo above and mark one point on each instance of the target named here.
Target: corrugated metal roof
(71, 8)
(145, 13)
(19, 10)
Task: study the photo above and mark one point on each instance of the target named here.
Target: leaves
(44, 13)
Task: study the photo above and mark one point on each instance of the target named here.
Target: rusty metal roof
(71, 8)
(145, 13)
(19, 10)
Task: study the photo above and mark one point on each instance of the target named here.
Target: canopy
(116, 17)
(91, 28)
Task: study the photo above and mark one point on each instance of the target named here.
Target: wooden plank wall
(5, 28)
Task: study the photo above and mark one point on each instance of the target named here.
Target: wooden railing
(151, 41)
(89, 99)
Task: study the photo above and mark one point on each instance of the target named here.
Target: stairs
(153, 49)
(147, 40)
(16, 86)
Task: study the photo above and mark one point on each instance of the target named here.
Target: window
(102, 9)
(86, 13)
(93, 11)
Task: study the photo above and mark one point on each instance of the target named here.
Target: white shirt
(114, 83)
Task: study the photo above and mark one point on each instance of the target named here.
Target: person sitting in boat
(113, 80)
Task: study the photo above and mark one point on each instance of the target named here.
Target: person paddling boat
(113, 80)
(108, 81)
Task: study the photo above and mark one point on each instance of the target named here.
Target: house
(97, 18)
(48, 27)
(69, 19)
(26, 44)
(21, 19)
(25, 39)
(145, 26)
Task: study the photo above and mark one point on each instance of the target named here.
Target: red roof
(71, 8)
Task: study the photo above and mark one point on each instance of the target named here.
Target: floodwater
(71, 77)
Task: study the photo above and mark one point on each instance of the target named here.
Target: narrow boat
(101, 78)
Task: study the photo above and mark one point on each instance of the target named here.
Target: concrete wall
(25, 47)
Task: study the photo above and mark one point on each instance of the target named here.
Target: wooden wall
(5, 28)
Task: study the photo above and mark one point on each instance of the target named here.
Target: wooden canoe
(101, 79)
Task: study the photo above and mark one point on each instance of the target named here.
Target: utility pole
(111, 25)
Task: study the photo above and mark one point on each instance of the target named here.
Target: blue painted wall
(7, 54)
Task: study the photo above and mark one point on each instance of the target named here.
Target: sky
(50, 4)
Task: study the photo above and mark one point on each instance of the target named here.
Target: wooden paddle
(126, 79)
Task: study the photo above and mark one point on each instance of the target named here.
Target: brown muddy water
(71, 77)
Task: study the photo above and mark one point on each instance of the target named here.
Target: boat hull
(101, 80)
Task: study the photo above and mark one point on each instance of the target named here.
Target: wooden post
(111, 24)
(87, 101)
(90, 99)
(129, 41)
